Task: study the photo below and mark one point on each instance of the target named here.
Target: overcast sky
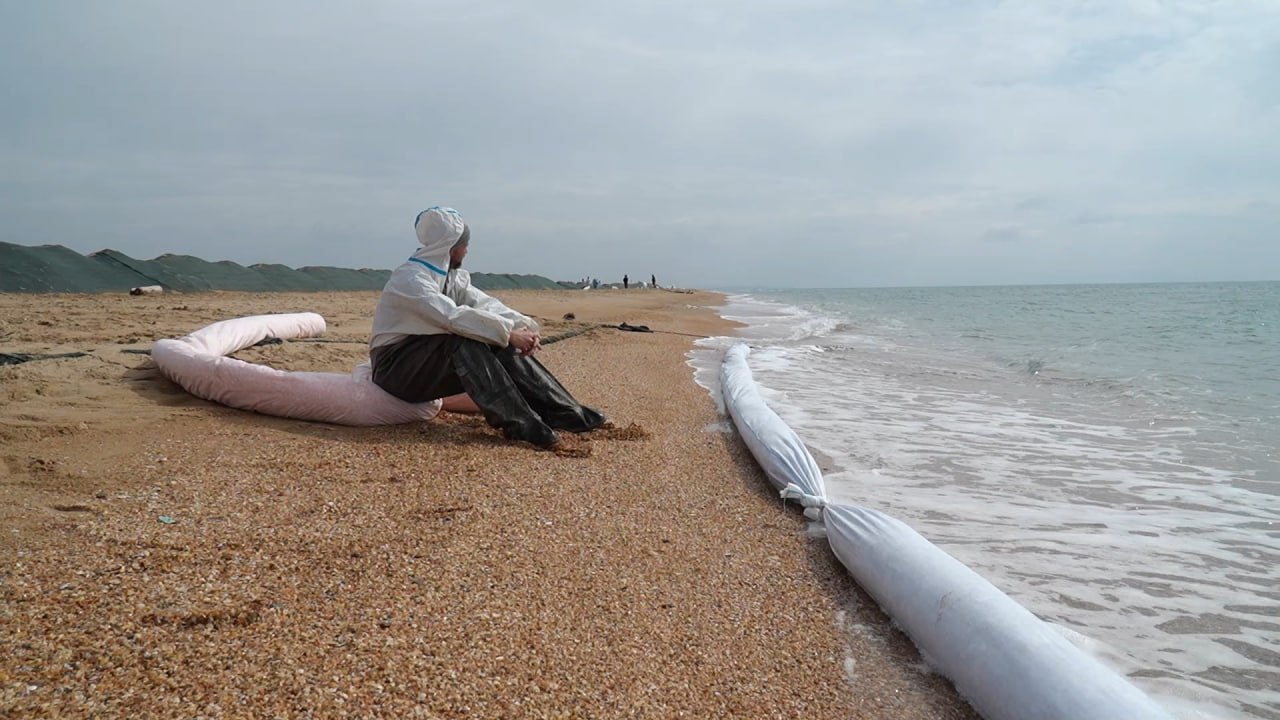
(718, 143)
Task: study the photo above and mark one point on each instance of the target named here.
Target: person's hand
(525, 341)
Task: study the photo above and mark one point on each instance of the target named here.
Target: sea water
(1107, 455)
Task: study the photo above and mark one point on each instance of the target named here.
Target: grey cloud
(1004, 234)
(1095, 217)
(815, 143)
(1093, 61)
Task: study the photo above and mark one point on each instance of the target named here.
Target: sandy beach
(167, 557)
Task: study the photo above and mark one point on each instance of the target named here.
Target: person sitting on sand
(434, 335)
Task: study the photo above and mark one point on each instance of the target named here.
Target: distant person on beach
(434, 336)
(653, 281)
(626, 282)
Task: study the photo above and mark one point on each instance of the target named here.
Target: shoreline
(432, 568)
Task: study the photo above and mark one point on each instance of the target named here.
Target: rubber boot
(498, 397)
(547, 396)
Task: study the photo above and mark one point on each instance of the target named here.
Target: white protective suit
(423, 297)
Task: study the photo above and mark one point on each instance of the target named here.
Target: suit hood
(438, 228)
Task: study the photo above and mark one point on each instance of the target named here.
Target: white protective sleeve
(1005, 661)
(783, 456)
(483, 301)
(197, 363)
(1008, 663)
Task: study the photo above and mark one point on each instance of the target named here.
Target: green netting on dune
(332, 278)
(222, 275)
(283, 277)
(509, 281)
(53, 268)
(153, 272)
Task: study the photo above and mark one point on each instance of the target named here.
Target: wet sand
(167, 557)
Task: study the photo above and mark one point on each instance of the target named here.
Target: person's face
(456, 253)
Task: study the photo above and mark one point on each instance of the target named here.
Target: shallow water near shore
(1106, 455)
